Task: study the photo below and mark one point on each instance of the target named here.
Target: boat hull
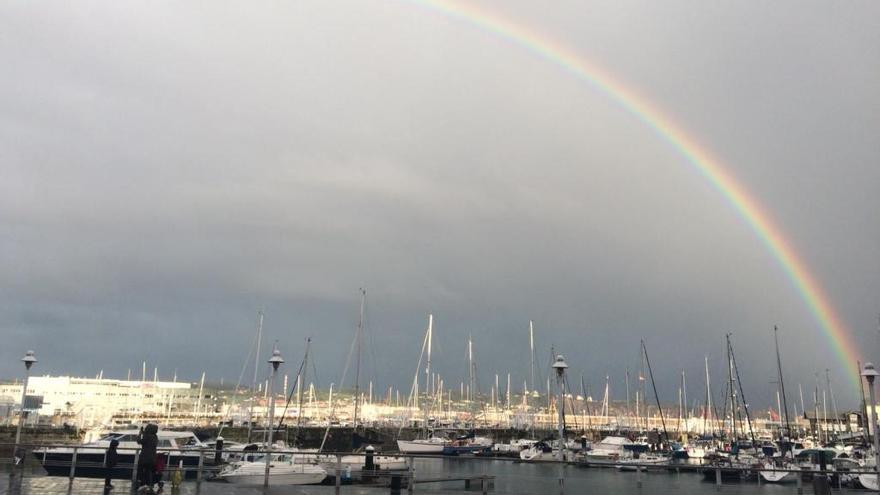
(869, 481)
(415, 447)
(276, 479)
(91, 464)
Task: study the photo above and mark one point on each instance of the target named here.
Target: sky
(169, 169)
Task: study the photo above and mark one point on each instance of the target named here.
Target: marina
(439, 246)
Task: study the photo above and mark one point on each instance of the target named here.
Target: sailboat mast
(781, 380)
(708, 413)
(428, 367)
(357, 373)
(654, 387)
(833, 402)
(254, 384)
(532, 352)
(470, 349)
(684, 391)
(732, 398)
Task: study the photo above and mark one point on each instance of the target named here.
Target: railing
(484, 473)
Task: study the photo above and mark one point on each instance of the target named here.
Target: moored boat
(180, 447)
(283, 470)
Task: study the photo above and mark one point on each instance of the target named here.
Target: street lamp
(870, 373)
(275, 361)
(560, 366)
(29, 359)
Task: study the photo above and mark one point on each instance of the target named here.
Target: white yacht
(283, 470)
(611, 448)
(179, 446)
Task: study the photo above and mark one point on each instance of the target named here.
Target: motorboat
(469, 444)
(610, 449)
(545, 451)
(182, 448)
(283, 470)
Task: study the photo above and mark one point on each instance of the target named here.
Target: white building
(88, 401)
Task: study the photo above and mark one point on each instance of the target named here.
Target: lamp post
(275, 361)
(870, 373)
(28, 361)
(560, 366)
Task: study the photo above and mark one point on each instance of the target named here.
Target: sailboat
(781, 469)
(284, 469)
(354, 463)
(429, 444)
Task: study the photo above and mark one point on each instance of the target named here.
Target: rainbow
(700, 160)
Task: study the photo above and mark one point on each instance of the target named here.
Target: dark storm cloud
(168, 170)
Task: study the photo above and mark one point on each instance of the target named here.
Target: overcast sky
(167, 169)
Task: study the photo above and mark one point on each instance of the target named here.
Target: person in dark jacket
(110, 461)
(149, 440)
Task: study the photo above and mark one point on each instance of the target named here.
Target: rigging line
(301, 380)
(244, 366)
(412, 390)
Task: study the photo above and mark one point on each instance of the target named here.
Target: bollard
(73, 465)
(338, 473)
(218, 451)
(369, 463)
(800, 485)
(718, 477)
(395, 484)
(484, 484)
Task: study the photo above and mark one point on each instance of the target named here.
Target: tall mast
(781, 380)
(626, 378)
(656, 396)
(470, 350)
(833, 402)
(300, 380)
(428, 367)
(732, 398)
(532, 352)
(708, 413)
(256, 370)
(357, 372)
(684, 391)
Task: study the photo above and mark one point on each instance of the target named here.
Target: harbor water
(513, 478)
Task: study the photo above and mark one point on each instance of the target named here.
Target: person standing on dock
(149, 440)
(110, 460)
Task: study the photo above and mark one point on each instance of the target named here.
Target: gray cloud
(167, 170)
